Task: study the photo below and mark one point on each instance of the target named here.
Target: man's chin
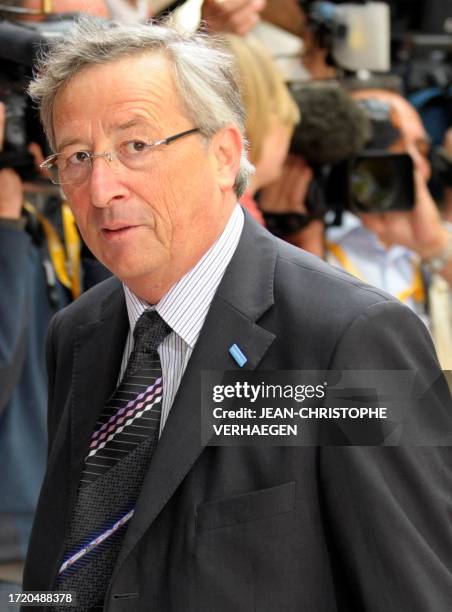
(131, 272)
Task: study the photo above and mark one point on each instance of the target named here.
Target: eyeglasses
(73, 168)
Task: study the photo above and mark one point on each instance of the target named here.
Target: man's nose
(104, 183)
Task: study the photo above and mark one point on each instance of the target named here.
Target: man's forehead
(136, 69)
(130, 89)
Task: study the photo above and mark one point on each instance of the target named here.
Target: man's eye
(77, 158)
(134, 147)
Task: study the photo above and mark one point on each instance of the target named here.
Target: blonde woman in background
(271, 114)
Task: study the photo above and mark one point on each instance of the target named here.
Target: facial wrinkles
(90, 129)
(167, 200)
(118, 95)
(94, 119)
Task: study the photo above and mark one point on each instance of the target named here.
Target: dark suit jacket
(237, 529)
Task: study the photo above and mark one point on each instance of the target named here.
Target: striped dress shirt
(184, 308)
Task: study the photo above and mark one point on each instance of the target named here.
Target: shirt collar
(349, 223)
(185, 306)
(352, 228)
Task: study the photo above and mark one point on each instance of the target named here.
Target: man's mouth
(113, 233)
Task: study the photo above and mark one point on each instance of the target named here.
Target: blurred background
(349, 127)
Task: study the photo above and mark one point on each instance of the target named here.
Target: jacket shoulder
(89, 307)
(307, 276)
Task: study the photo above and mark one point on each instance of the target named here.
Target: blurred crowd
(352, 163)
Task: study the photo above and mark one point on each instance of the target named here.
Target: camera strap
(73, 249)
(65, 259)
(415, 291)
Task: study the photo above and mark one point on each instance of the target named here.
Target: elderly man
(135, 513)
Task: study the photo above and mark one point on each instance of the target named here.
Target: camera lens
(373, 185)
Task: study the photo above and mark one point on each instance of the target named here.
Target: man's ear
(227, 147)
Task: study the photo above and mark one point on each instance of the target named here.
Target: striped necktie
(119, 454)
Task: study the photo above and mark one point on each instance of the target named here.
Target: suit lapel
(98, 353)
(245, 293)
(98, 350)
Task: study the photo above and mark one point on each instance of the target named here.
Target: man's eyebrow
(136, 121)
(131, 123)
(66, 142)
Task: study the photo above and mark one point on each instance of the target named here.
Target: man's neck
(153, 287)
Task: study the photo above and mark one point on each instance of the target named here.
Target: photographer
(410, 252)
(421, 229)
(401, 251)
(395, 250)
(43, 266)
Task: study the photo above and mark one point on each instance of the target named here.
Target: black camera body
(371, 182)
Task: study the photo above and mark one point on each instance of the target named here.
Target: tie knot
(150, 331)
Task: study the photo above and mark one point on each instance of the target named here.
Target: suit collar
(248, 283)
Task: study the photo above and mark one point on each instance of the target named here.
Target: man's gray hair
(203, 70)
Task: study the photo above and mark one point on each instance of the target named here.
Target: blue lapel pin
(237, 355)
